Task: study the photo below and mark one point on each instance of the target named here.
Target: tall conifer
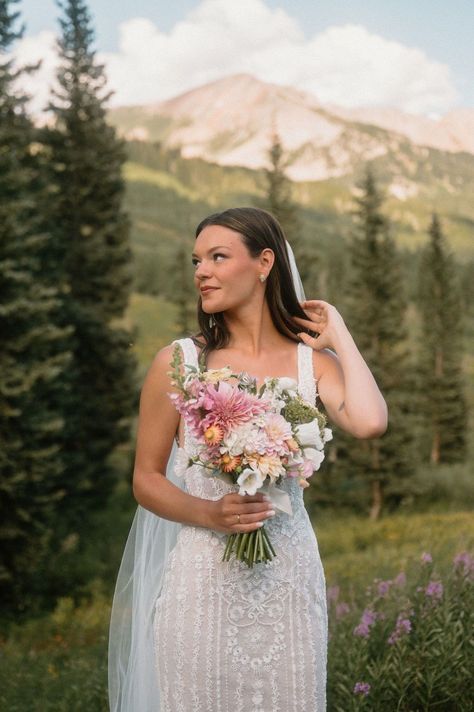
(278, 201)
(376, 306)
(90, 260)
(32, 360)
(440, 355)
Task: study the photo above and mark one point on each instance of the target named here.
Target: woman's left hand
(325, 320)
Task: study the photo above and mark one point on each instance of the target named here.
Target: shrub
(408, 646)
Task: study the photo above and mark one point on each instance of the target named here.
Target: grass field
(58, 663)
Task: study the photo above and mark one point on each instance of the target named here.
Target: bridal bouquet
(248, 436)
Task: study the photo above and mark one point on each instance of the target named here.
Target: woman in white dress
(189, 632)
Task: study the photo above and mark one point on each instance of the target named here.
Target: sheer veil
(133, 686)
(132, 677)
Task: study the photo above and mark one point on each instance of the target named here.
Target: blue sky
(442, 32)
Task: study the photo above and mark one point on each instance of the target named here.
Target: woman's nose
(202, 270)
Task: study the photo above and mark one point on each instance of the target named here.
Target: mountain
(230, 122)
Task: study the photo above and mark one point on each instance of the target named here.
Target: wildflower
(402, 627)
(342, 609)
(333, 593)
(400, 580)
(362, 688)
(366, 622)
(464, 561)
(383, 587)
(426, 558)
(434, 590)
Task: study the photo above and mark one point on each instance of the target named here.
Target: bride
(189, 632)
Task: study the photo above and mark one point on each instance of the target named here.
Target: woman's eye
(195, 262)
(218, 254)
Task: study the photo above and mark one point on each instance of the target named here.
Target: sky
(415, 55)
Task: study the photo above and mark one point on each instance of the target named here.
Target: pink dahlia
(229, 407)
(278, 431)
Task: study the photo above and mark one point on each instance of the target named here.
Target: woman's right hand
(253, 511)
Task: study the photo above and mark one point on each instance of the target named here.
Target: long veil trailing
(132, 677)
(133, 686)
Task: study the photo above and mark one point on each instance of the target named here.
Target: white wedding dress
(232, 639)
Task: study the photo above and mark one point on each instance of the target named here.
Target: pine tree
(185, 295)
(278, 198)
(32, 358)
(278, 201)
(441, 351)
(376, 305)
(90, 260)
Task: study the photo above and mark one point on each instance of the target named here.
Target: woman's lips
(206, 290)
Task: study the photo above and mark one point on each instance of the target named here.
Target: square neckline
(299, 375)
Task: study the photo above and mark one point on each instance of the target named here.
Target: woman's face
(226, 275)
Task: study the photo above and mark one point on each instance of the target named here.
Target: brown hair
(259, 229)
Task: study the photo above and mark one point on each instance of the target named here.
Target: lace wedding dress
(232, 639)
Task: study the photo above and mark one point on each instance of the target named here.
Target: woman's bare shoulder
(162, 362)
(324, 362)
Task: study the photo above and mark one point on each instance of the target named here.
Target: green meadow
(58, 662)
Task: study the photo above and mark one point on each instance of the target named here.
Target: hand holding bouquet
(251, 437)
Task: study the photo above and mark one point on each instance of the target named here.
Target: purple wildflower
(434, 590)
(465, 561)
(400, 580)
(426, 558)
(367, 620)
(402, 627)
(333, 593)
(383, 587)
(342, 609)
(361, 688)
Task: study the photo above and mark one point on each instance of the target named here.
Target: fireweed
(408, 646)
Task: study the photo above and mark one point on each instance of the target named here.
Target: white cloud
(345, 65)
(37, 85)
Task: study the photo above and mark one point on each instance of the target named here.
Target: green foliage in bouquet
(299, 411)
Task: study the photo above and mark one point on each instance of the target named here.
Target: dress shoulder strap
(189, 350)
(306, 381)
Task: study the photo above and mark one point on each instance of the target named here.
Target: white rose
(250, 481)
(308, 434)
(316, 456)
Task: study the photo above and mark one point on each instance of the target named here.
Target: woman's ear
(267, 258)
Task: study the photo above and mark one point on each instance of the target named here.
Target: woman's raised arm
(346, 385)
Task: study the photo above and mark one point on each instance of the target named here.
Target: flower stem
(250, 547)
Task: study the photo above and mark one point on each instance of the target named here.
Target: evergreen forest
(96, 235)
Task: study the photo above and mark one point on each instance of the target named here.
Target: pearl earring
(212, 322)
(262, 278)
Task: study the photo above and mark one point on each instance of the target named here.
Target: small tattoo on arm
(341, 406)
